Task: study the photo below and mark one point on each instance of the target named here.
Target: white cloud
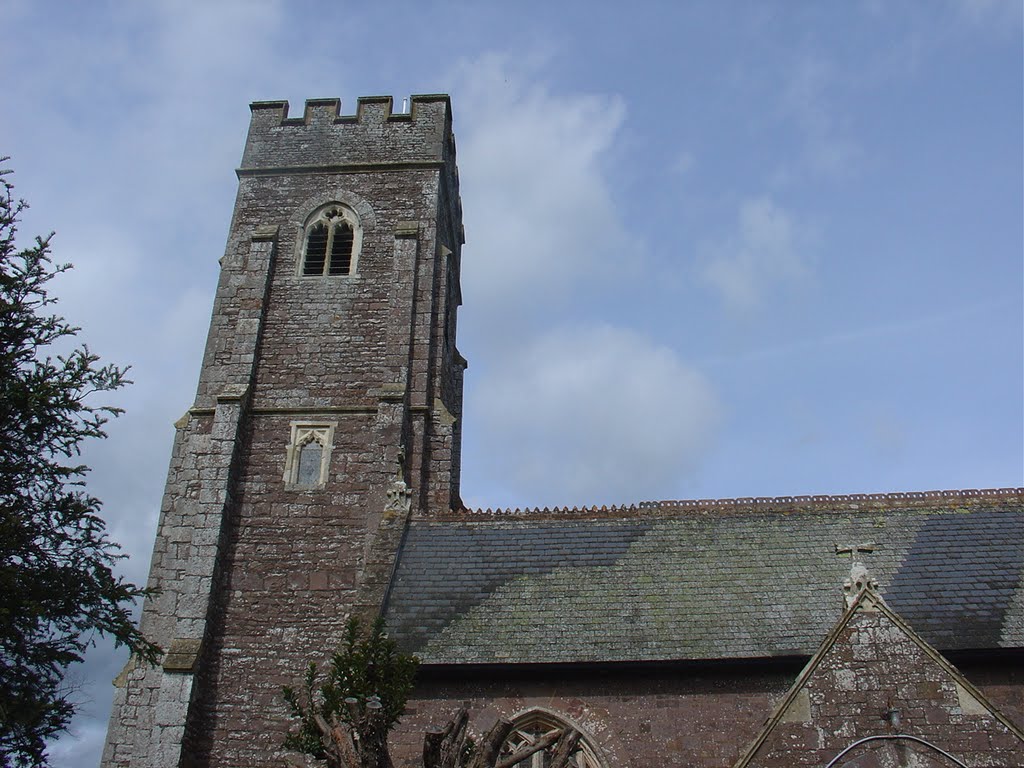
(826, 150)
(537, 196)
(767, 249)
(85, 738)
(595, 414)
(1004, 15)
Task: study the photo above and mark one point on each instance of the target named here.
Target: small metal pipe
(894, 737)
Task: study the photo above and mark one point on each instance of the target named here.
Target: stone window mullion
(330, 243)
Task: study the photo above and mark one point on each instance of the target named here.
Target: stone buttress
(328, 411)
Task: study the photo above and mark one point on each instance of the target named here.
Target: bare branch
(540, 744)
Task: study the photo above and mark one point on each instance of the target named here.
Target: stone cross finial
(859, 578)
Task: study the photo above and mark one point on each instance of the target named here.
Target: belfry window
(330, 247)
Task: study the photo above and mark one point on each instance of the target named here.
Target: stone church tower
(328, 412)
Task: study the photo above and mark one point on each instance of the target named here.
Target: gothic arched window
(535, 724)
(331, 243)
(308, 458)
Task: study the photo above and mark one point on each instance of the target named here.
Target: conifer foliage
(345, 718)
(57, 587)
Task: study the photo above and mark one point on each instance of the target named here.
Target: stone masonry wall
(293, 562)
(149, 723)
(638, 716)
(634, 717)
(890, 699)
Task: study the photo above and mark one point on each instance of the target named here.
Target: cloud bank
(594, 415)
(766, 250)
(538, 202)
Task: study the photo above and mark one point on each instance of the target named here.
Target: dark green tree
(58, 591)
(345, 718)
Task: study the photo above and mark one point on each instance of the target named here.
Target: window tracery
(531, 726)
(331, 243)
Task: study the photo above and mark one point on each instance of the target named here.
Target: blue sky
(714, 249)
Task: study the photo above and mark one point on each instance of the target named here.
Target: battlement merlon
(324, 139)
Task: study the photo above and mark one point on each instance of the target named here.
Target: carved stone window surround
(305, 437)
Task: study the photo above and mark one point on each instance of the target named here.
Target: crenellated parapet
(323, 138)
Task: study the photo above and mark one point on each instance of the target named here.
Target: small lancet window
(316, 250)
(330, 245)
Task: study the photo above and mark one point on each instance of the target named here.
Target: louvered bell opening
(341, 250)
(316, 251)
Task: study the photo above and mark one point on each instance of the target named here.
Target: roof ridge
(850, 500)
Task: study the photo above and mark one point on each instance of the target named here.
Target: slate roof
(730, 579)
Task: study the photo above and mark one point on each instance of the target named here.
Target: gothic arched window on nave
(530, 727)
